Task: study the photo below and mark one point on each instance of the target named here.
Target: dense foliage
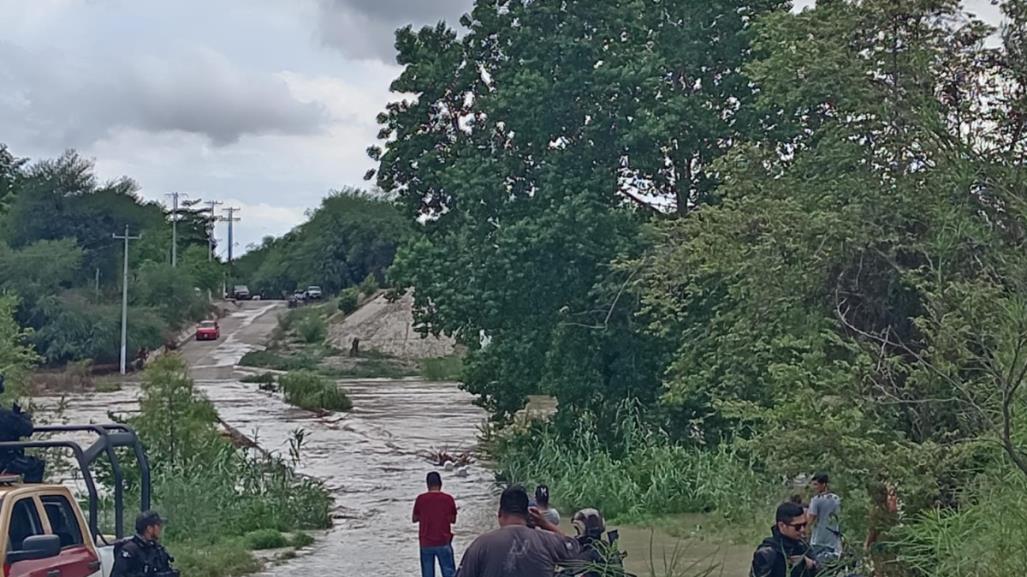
(840, 283)
(57, 255)
(535, 148)
(350, 237)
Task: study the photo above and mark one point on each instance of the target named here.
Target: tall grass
(648, 476)
(986, 537)
(442, 368)
(313, 392)
(312, 328)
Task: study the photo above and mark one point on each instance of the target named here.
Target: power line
(124, 296)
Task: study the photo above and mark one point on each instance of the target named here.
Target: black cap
(147, 519)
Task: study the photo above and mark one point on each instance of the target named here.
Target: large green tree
(855, 300)
(534, 146)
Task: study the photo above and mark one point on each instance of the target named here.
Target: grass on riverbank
(214, 494)
(650, 477)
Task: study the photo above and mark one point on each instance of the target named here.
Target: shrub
(265, 539)
(301, 539)
(263, 379)
(312, 328)
(279, 362)
(311, 391)
(369, 286)
(349, 300)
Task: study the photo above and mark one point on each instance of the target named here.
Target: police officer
(15, 425)
(142, 555)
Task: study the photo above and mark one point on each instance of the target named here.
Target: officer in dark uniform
(142, 555)
(16, 425)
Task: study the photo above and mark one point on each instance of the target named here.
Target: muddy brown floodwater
(368, 458)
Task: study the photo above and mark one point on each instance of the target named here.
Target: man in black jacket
(142, 555)
(785, 553)
(16, 425)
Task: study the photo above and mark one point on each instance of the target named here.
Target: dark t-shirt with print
(517, 551)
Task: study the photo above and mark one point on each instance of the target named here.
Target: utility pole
(124, 297)
(174, 227)
(230, 219)
(210, 232)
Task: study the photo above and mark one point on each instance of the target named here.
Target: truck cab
(47, 534)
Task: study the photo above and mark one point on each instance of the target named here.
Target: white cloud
(197, 91)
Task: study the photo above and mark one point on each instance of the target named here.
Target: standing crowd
(528, 542)
(805, 540)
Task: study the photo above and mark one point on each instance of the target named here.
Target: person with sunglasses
(785, 553)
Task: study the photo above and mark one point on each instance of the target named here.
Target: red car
(208, 331)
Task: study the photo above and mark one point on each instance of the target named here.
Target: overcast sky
(263, 104)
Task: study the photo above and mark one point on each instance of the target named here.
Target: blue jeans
(445, 557)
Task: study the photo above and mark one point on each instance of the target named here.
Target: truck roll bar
(109, 437)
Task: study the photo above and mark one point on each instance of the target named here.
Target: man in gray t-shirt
(824, 511)
(516, 550)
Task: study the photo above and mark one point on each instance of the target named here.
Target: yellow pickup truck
(47, 533)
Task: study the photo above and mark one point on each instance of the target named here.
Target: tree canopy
(535, 146)
(350, 236)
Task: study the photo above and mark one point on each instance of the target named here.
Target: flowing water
(370, 459)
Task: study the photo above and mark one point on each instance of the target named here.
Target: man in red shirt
(435, 511)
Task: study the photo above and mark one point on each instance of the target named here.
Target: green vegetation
(279, 362)
(442, 368)
(350, 237)
(645, 477)
(55, 243)
(16, 357)
(265, 539)
(313, 392)
(224, 559)
(369, 286)
(301, 539)
(312, 328)
(214, 494)
(349, 300)
(837, 283)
